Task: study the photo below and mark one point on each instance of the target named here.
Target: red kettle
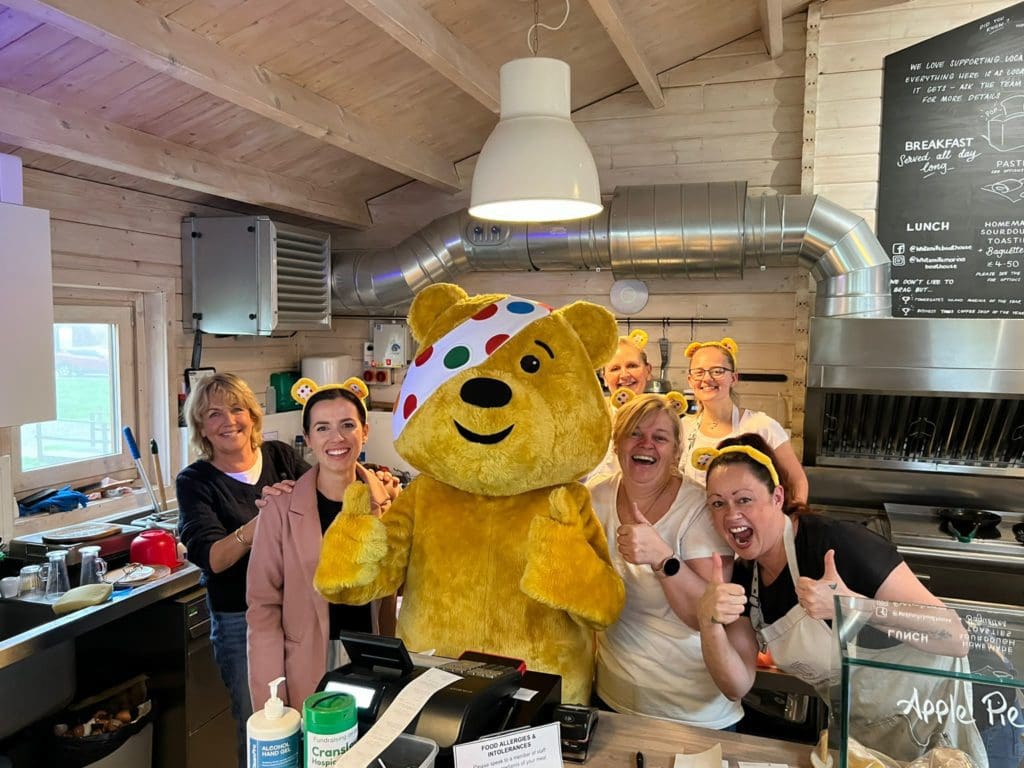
(155, 547)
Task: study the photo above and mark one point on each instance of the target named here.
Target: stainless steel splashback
(943, 397)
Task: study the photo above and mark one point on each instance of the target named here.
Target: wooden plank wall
(854, 37)
(123, 242)
(733, 114)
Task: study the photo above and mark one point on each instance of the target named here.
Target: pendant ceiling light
(535, 165)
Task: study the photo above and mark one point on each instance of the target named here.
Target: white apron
(799, 644)
(805, 648)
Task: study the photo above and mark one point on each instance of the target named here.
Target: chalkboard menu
(951, 181)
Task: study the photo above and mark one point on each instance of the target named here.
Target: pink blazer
(288, 619)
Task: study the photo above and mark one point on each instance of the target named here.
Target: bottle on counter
(272, 734)
(329, 726)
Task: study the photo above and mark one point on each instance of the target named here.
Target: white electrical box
(390, 345)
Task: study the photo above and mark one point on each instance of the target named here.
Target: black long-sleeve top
(211, 505)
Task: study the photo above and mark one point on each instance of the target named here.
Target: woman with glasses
(712, 375)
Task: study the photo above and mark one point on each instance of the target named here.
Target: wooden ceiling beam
(78, 135)
(609, 13)
(415, 29)
(771, 26)
(132, 30)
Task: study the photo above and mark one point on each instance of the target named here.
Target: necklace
(652, 505)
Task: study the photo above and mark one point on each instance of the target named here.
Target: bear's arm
(568, 566)
(364, 557)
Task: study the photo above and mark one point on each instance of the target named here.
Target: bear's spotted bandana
(467, 345)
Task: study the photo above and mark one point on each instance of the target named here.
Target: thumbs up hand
(639, 543)
(722, 603)
(816, 595)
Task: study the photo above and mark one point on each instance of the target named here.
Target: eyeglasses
(714, 373)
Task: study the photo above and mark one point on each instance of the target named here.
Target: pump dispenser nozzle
(274, 708)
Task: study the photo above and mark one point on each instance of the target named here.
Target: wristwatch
(669, 566)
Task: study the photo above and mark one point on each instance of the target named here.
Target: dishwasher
(169, 642)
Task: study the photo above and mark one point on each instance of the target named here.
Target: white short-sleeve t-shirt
(742, 422)
(649, 662)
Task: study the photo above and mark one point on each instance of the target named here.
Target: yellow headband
(676, 400)
(727, 344)
(702, 457)
(636, 339)
(304, 389)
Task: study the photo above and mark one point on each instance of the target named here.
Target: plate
(136, 575)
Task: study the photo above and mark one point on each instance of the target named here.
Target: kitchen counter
(38, 648)
(63, 628)
(619, 737)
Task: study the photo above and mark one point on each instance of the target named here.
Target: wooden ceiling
(314, 107)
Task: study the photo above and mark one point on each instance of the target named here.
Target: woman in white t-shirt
(712, 375)
(661, 541)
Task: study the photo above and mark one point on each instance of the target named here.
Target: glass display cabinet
(930, 686)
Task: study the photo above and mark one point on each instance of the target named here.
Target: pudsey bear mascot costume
(495, 542)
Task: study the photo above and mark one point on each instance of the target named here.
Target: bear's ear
(677, 402)
(596, 327)
(621, 396)
(429, 304)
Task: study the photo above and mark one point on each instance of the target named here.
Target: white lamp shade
(535, 165)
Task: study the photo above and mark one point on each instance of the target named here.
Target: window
(94, 366)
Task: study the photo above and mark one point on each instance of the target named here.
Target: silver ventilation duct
(648, 232)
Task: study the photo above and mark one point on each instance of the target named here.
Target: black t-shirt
(350, 618)
(211, 505)
(863, 558)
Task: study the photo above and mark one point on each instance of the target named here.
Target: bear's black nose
(486, 393)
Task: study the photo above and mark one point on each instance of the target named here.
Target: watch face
(671, 566)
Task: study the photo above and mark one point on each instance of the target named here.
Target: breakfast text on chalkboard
(951, 177)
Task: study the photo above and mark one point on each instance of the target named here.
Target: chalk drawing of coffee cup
(1008, 189)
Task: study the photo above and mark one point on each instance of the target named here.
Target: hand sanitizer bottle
(272, 734)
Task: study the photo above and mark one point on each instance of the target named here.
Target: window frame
(122, 314)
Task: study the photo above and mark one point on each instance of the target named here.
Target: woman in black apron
(790, 564)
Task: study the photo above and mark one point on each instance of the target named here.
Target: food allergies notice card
(531, 747)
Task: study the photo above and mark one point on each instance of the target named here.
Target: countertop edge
(65, 628)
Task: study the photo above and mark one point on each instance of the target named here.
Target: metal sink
(44, 678)
(17, 616)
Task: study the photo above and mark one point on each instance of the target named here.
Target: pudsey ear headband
(727, 344)
(676, 400)
(304, 389)
(635, 338)
(702, 458)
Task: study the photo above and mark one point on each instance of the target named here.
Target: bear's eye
(530, 364)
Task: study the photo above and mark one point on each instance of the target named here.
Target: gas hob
(922, 527)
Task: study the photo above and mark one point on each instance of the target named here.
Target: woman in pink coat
(290, 624)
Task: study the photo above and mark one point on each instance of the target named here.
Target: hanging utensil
(663, 348)
(133, 449)
(154, 450)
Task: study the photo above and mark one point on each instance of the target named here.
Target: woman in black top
(790, 566)
(217, 507)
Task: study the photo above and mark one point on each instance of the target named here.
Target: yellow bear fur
(497, 546)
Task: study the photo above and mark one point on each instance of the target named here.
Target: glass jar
(30, 581)
(94, 567)
(56, 579)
